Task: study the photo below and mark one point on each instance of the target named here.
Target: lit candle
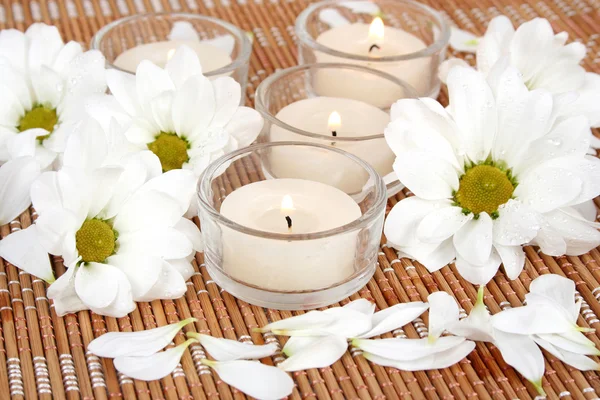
(373, 41)
(289, 206)
(211, 57)
(332, 119)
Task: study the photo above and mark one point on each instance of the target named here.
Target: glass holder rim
(304, 38)
(240, 60)
(205, 180)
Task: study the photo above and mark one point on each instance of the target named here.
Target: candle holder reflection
(404, 38)
(294, 109)
(288, 242)
(223, 49)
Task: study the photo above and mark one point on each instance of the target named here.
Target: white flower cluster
(505, 164)
(110, 176)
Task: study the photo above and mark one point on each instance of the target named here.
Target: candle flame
(376, 30)
(334, 121)
(170, 54)
(287, 204)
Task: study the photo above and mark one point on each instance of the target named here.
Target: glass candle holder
(410, 44)
(299, 103)
(289, 242)
(223, 49)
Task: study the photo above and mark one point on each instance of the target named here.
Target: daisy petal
(477, 326)
(227, 99)
(122, 85)
(478, 274)
(296, 343)
(395, 317)
(320, 354)
(406, 349)
(427, 176)
(228, 350)
(530, 44)
(447, 65)
(13, 46)
(513, 259)
(171, 284)
(563, 343)
(86, 149)
(347, 322)
(16, 178)
(461, 40)
(578, 235)
(558, 185)
(433, 257)
(556, 290)
(193, 106)
(150, 82)
(244, 126)
(439, 360)
(521, 353)
(66, 55)
(154, 366)
(517, 224)
(491, 47)
(443, 313)
(473, 107)
(441, 224)
(23, 249)
(97, 284)
(44, 44)
(179, 184)
(531, 320)
(310, 320)
(473, 242)
(63, 294)
(254, 379)
(168, 243)
(191, 231)
(579, 361)
(134, 214)
(405, 217)
(142, 271)
(183, 64)
(141, 343)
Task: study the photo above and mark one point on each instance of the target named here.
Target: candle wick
(374, 46)
(289, 221)
(333, 133)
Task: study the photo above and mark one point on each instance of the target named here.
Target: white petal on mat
(513, 259)
(521, 352)
(406, 349)
(254, 379)
(558, 340)
(348, 322)
(310, 320)
(362, 305)
(556, 290)
(461, 40)
(435, 361)
(296, 343)
(395, 317)
(141, 343)
(154, 366)
(23, 249)
(578, 361)
(228, 350)
(443, 313)
(531, 320)
(16, 177)
(477, 326)
(320, 354)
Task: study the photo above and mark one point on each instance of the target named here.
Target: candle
(211, 57)
(289, 206)
(373, 41)
(333, 119)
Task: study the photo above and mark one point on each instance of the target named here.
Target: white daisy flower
(487, 173)
(43, 82)
(545, 61)
(118, 227)
(179, 114)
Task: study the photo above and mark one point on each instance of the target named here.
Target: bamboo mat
(43, 356)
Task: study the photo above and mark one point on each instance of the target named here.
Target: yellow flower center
(95, 240)
(170, 149)
(483, 188)
(39, 117)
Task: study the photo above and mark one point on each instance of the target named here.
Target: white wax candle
(360, 39)
(356, 119)
(289, 265)
(211, 57)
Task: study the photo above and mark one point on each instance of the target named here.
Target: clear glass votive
(298, 103)
(410, 47)
(289, 242)
(223, 48)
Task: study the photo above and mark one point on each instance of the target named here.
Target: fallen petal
(578, 361)
(348, 322)
(154, 366)
(406, 349)
(310, 320)
(443, 313)
(440, 360)
(362, 305)
(228, 350)
(296, 343)
(395, 317)
(532, 320)
(563, 343)
(253, 378)
(141, 343)
(320, 354)
(23, 249)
